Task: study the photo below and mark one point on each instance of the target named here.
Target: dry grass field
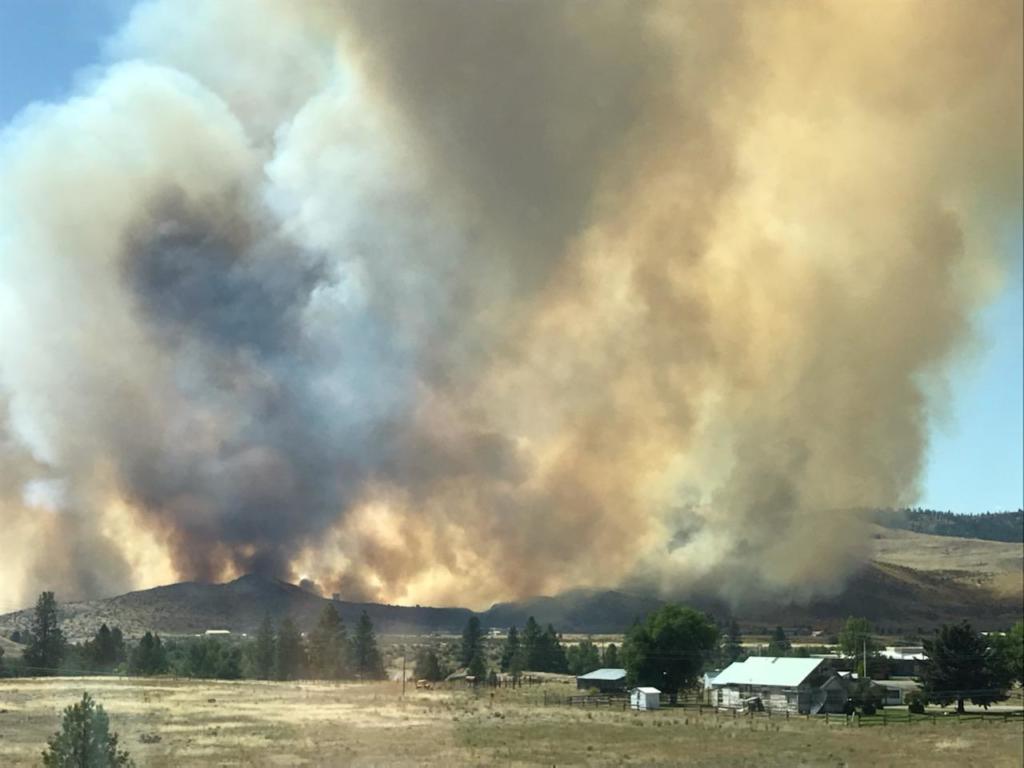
(276, 724)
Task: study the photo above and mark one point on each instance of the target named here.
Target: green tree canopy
(366, 659)
(779, 644)
(511, 655)
(428, 666)
(855, 636)
(669, 650)
(290, 657)
(583, 657)
(46, 650)
(731, 647)
(84, 740)
(962, 665)
(149, 657)
(328, 646)
(264, 650)
(472, 641)
(610, 657)
(1010, 650)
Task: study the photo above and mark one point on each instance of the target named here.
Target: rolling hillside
(915, 581)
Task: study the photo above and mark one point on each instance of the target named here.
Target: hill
(989, 526)
(915, 581)
(240, 606)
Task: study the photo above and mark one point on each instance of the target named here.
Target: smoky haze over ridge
(460, 302)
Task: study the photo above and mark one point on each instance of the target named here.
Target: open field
(271, 724)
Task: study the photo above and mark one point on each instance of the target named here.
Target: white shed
(644, 698)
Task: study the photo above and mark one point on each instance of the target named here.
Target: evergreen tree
(533, 646)
(117, 642)
(264, 652)
(290, 659)
(962, 665)
(472, 641)
(84, 740)
(582, 657)
(105, 649)
(366, 659)
(554, 652)
(149, 657)
(510, 650)
(670, 649)
(477, 667)
(328, 646)
(779, 644)
(1009, 649)
(46, 651)
(732, 649)
(610, 658)
(428, 666)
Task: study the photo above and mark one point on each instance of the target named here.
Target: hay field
(278, 724)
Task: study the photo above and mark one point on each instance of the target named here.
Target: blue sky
(976, 457)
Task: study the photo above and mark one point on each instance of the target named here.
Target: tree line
(275, 653)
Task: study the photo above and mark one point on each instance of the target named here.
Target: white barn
(644, 697)
(804, 686)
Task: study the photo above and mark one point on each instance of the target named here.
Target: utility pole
(865, 658)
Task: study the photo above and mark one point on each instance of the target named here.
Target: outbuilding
(805, 686)
(644, 697)
(605, 680)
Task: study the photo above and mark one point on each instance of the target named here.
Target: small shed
(644, 697)
(606, 680)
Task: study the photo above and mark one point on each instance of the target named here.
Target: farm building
(805, 686)
(605, 680)
(644, 698)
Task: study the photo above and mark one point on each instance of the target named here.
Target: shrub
(84, 740)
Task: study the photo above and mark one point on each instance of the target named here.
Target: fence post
(883, 718)
(826, 718)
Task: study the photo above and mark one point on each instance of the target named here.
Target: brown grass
(272, 724)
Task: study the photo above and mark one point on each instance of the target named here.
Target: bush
(915, 702)
(84, 740)
(867, 708)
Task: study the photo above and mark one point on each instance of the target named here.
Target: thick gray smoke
(459, 301)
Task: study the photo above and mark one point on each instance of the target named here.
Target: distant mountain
(915, 581)
(240, 605)
(989, 526)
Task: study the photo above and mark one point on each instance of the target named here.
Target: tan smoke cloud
(456, 302)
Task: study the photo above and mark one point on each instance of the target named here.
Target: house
(644, 697)
(903, 660)
(606, 680)
(804, 686)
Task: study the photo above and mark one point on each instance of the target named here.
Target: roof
(768, 670)
(645, 689)
(606, 673)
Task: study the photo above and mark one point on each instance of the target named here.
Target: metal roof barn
(768, 670)
(605, 679)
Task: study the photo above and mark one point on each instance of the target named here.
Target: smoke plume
(453, 302)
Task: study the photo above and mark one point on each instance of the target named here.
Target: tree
(533, 646)
(962, 665)
(669, 650)
(510, 651)
(732, 649)
(779, 644)
(610, 658)
(1010, 650)
(472, 641)
(149, 657)
(105, 649)
(366, 659)
(84, 740)
(428, 666)
(46, 651)
(328, 646)
(855, 637)
(264, 651)
(291, 654)
(477, 667)
(583, 657)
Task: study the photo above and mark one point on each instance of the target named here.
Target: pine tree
(477, 667)
(779, 644)
(582, 657)
(264, 651)
(554, 652)
(610, 658)
(962, 665)
(149, 657)
(732, 649)
(84, 740)
(291, 654)
(328, 646)
(366, 659)
(472, 641)
(46, 651)
(510, 650)
(533, 646)
(428, 666)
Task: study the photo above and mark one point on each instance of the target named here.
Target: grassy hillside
(990, 526)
